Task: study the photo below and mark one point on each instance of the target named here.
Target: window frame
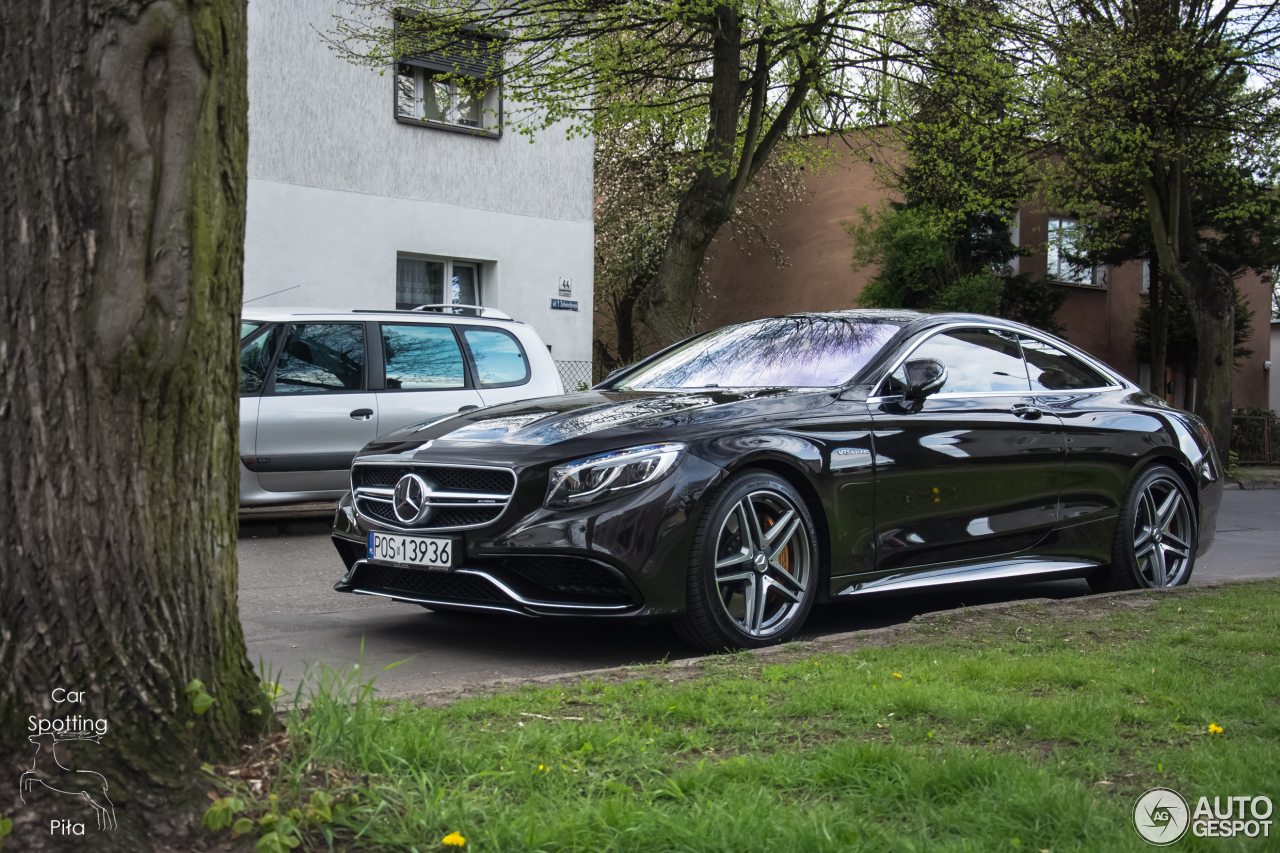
(1097, 278)
(446, 285)
(483, 132)
(877, 395)
(269, 386)
(460, 331)
(428, 64)
(469, 376)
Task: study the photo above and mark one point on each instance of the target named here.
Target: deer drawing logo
(59, 778)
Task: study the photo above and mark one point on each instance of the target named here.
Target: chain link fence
(581, 375)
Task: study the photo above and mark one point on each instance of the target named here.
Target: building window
(432, 96)
(452, 82)
(1063, 249)
(427, 281)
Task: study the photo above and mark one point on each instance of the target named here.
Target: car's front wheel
(1156, 536)
(753, 573)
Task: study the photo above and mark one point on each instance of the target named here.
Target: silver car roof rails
(464, 310)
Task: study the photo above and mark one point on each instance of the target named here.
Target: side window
(1051, 369)
(498, 356)
(978, 361)
(422, 358)
(321, 358)
(255, 360)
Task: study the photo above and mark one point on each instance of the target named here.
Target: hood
(588, 421)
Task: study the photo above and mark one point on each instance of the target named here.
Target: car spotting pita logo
(1161, 816)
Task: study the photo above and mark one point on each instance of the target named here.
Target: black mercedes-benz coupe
(733, 480)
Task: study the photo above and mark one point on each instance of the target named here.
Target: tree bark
(1158, 326)
(121, 249)
(1213, 310)
(624, 319)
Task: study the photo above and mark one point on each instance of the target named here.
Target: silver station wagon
(316, 387)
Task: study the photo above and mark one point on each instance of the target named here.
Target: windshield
(247, 327)
(806, 352)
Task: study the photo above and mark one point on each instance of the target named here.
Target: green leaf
(199, 698)
(319, 810)
(221, 812)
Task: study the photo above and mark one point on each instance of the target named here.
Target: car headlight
(599, 477)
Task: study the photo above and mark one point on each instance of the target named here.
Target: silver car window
(321, 358)
(255, 361)
(422, 358)
(498, 356)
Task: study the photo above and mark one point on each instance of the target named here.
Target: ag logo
(1161, 816)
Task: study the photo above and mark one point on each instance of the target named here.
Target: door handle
(362, 414)
(1026, 412)
(467, 408)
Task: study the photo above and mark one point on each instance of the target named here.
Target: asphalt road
(293, 620)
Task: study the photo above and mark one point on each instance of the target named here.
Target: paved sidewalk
(1251, 479)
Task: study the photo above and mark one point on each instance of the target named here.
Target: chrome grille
(461, 496)
(451, 477)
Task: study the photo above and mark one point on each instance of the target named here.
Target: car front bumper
(624, 557)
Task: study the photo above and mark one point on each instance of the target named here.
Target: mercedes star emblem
(410, 501)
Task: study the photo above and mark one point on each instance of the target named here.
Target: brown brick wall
(820, 277)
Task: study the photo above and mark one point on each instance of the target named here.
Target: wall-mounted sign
(564, 305)
(566, 287)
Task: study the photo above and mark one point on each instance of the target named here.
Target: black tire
(1156, 535)
(742, 604)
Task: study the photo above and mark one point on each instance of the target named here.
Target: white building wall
(337, 187)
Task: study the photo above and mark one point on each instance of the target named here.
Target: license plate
(416, 551)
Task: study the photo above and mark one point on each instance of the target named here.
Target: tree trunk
(1213, 310)
(667, 303)
(1158, 326)
(1208, 290)
(121, 249)
(625, 321)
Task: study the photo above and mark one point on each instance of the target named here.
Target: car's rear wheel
(753, 573)
(1156, 536)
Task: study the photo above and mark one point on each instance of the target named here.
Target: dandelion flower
(454, 839)
(1215, 729)
(896, 675)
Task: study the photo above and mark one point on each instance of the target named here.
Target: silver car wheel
(1162, 538)
(763, 562)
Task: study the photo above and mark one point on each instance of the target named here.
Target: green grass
(1021, 732)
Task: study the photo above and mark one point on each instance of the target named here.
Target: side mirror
(925, 376)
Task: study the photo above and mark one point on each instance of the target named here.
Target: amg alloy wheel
(754, 571)
(1156, 537)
